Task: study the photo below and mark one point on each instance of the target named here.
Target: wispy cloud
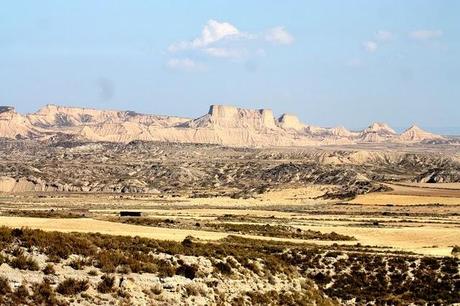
(225, 41)
(380, 37)
(214, 31)
(279, 35)
(184, 64)
(370, 46)
(225, 52)
(425, 35)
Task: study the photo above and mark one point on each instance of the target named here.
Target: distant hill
(225, 125)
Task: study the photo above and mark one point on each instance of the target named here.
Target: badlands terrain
(232, 208)
(225, 125)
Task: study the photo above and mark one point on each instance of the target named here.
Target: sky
(331, 63)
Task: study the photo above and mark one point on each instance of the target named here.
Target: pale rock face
(225, 125)
(341, 131)
(380, 128)
(222, 111)
(377, 132)
(289, 121)
(53, 115)
(14, 125)
(416, 134)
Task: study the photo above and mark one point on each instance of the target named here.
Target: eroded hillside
(224, 125)
(207, 170)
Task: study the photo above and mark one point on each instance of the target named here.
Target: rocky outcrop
(14, 125)
(416, 134)
(289, 121)
(377, 132)
(224, 125)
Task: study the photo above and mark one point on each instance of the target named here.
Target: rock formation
(224, 125)
(416, 134)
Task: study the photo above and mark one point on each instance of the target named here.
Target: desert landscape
(158, 222)
(229, 153)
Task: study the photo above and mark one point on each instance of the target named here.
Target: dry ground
(413, 194)
(424, 229)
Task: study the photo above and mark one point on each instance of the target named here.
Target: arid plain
(335, 205)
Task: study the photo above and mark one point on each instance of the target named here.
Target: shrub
(106, 284)
(4, 286)
(166, 269)
(43, 294)
(72, 286)
(24, 263)
(456, 250)
(224, 268)
(188, 271)
(93, 272)
(78, 264)
(49, 269)
(21, 294)
(188, 242)
(3, 259)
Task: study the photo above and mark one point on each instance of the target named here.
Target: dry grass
(396, 199)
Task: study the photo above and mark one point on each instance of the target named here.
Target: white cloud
(384, 36)
(183, 64)
(370, 46)
(225, 41)
(425, 35)
(278, 35)
(214, 31)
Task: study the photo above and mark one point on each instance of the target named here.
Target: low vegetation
(266, 230)
(72, 286)
(344, 273)
(48, 213)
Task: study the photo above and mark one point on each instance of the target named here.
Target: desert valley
(232, 208)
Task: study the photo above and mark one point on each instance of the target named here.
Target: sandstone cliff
(224, 125)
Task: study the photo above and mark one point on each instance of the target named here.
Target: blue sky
(330, 62)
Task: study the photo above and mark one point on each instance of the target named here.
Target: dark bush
(224, 268)
(106, 284)
(24, 263)
(20, 295)
(72, 286)
(78, 264)
(43, 294)
(49, 269)
(4, 286)
(188, 271)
